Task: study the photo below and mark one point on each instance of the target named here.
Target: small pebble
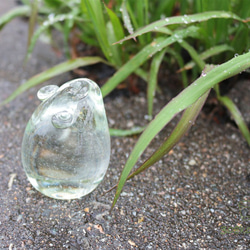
(183, 212)
(192, 162)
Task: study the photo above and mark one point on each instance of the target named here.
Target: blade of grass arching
(194, 55)
(237, 116)
(46, 25)
(164, 30)
(126, 132)
(186, 19)
(235, 112)
(142, 74)
(152, 82)
(32, 20)
(142, 56)
(192, 52)
(186, 98)
(16, 12)
(187, 120)
(54, 71)
(206, 54)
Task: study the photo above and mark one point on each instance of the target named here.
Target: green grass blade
(135, 18)
(193, 53)
(187, 120)
(46, 24)
(146, 53)
(126, 132)
(115, 27)
(164, 30)
(207, 54)
(54, 71)
(146, 11)
(118, 29)
(186, 19)
(95, 11)
(237, 116)
(142, 74)
(186, 98)
(126, 18)
(16, 12)
(152, 82)
(32, 20)
(116, 50)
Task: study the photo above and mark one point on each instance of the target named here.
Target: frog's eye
(79, 89)
(62, 119)
(46, 92)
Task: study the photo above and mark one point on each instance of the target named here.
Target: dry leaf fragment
(99, 227)
(140, 220)
(132, 243)
(86, 209)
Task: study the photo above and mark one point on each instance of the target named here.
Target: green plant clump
(137, 37)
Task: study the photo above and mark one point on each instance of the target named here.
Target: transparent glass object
(66, 144)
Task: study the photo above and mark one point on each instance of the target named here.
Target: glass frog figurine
(66, 144)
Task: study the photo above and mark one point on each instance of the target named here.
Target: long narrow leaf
(237, 116)
(152, 82)
(32, 20)
(126, 18)
(119, 32)
(208, 53)
(188, 118)
(46, 24)
(186, 98)
(116, 50)
(186, 19)
(142, 56)
(16, 12)
(193, 53)
(54, 71)
(142, 74)
(95, 11)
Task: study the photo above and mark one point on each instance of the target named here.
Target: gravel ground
(195, 198)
